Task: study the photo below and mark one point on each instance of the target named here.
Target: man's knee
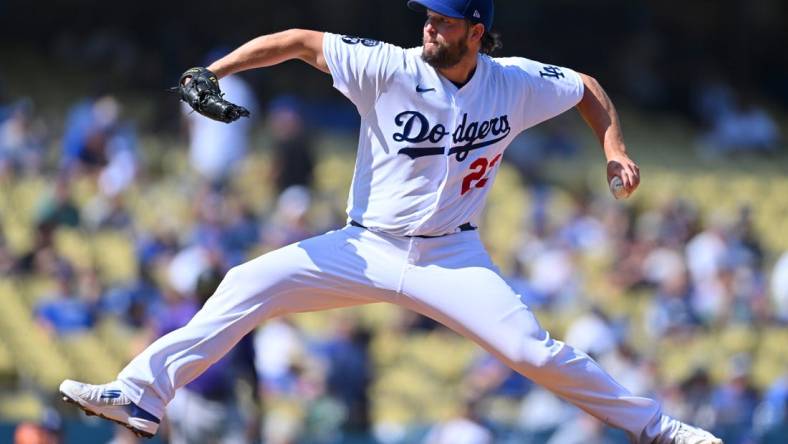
(258, 275)
(241, 283)
(234, 278)
(534, 352)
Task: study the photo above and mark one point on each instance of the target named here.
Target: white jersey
(428, 151)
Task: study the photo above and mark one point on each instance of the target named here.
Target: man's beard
(445, 56)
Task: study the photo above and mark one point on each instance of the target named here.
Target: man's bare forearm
(272, 49)
(600, 114)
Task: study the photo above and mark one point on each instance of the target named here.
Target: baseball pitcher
(435, 121)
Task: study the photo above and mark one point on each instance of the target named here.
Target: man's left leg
(454, 282)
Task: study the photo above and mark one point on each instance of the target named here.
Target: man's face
(445, 40)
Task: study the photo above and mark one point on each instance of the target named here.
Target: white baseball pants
(450, 279)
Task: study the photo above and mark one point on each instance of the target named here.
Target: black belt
(464, 227)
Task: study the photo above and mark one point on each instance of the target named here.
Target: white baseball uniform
(427, 155)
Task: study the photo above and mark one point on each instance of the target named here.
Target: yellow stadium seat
(90, 358)
(73, 244)
(34, 352)
(114, 256)
(20, 406)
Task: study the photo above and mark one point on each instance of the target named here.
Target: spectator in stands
(710, 268)
(748, 127)
(634, 237)
(678, 222)
(241, 230)
(22, 140)
(746, 246)
(216, 149)
(670, 311)
(289, 222)
(662, 265)
(634, 372)
(300, 393)
(583, 429)
(583, 231)
(41, 258)
(225, 226)
(553, 272)
(713, 97)
(59, 208)
(157, 246)
(134, 303)
(542, 413)
(692, 398)
(186, 266)
(293, 161)
(31, 433)
(99, 143)
(137, 302)
(707, 251)
(107, 213)
(280, 360)
(734, 403)
(65, 312)
(48, 429)
(279, 346)
(464, 428)
(593, 333)
(208, 222)
(325, 418)
(771, 417)
(349, 371)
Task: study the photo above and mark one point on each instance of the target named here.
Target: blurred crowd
(669, 56)
(698, 273)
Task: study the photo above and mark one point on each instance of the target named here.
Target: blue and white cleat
(687, 434)
(108, 402)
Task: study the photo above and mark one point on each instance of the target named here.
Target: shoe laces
(104, 394)
(692, 435)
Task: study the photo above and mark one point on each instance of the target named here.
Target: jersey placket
(455, 113)
(457, 96)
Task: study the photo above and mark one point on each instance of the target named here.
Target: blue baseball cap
(479, 11)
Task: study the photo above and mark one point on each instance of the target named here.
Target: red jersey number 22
(479, 169)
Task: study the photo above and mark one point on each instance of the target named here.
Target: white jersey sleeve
(360, 67)
(545, 91)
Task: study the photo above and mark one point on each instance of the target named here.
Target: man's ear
(477, 31)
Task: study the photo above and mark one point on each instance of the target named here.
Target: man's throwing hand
(621, 166)
(199, 87)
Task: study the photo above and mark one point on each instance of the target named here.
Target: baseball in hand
(617, 188)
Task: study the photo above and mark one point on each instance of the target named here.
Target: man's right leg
(316, 274)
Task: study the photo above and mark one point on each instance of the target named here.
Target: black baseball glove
(199, 87)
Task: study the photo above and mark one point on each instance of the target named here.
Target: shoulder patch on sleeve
(352, 40)
(553, 72)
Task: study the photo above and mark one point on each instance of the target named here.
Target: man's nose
(428, 26)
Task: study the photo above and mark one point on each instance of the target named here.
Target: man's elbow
(589, 82)
(593, 93)
(293, 39)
